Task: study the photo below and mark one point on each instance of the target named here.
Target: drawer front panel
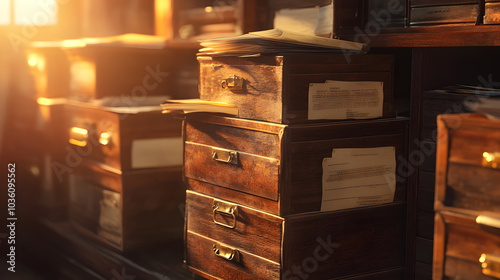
(464, 241)
(472, 170)
(239, 135)
(209, 164)
(86, 134)
(339, 244)
(259, 96)
(253, 231)
(96, 209)
(201, 255)
(277, 90)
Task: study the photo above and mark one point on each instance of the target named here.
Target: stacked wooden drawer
(466, 240)
(254, 183)
(434, 102)
(114, 164)
(124, 175)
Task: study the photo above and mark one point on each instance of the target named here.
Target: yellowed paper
(358, 177)
(336, 100)
(157, 152)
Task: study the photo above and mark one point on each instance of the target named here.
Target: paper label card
(157, 152)
(335, 100)
(358, 177)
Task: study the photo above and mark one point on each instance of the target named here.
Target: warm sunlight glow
(35, 12)
(4, 12)
(32, 59)
(83, 75)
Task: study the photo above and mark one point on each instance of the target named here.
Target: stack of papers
(473, 90)
(276, 41)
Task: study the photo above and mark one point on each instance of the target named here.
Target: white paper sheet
(345, 100)
(358, 177)
(314, 20)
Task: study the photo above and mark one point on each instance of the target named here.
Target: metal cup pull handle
(491, 160)
(227, 253)
(232, 83)
(226, 156)
(78, 136)
(490, 265)
(225, 209)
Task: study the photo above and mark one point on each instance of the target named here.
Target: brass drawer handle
(226, 156)
(78, 136)
(226, 209)
(490, 265)
(232, 83)
(489, 221)
(491, 160)
(226, 252)
(105, 138)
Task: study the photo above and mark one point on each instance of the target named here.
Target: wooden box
(428, 12)
(128, 73)
(122, 138)
(466, 165)
(464, 248)
(276, 88)
(231, 241)
(278, 168)
(49, 66)
(125, 174)
(204, 19)
(467, 222)
(127, 211)
(491, 12)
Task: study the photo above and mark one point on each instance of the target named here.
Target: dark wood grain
(255, 232)
(143, 210)
(200, 255)
(200, 165)
(246, 138)
(260, 97)
(263, 204)
(472, 187)
(356, 250)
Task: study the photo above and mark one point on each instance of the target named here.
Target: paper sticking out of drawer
(358, 177)
(345, 100)
(186, 106)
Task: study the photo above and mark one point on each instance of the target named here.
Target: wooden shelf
(433, 36)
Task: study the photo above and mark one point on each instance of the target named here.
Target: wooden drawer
(464, 177)
(287, 159)
(99, 72)
(127, 211)
(459, 243)
(121, 138)
(276, 88)
(331, 245)
(491, 12)
(50, 69)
